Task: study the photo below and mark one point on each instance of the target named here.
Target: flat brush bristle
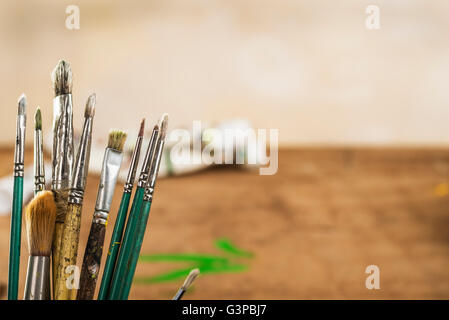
(163, 125)
(117, 140)
(38, 119)
(40, 216)
(89, 112)
(190, 278)
(62, 78)
(142, 127)
(22, 102)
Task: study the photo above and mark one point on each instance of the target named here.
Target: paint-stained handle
(69, 249)
(135, 252)
(114, 247)
(126, 247)
(15, 239)
(91, 262)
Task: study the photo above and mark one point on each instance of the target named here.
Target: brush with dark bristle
(142, 220)
(94, 249)
(38, 119)
(72, 225)
(39, 171)
(187, 283)
(62, 78)
(40, 216)
(117, 140)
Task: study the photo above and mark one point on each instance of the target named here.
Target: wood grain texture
(69, 251)
(313, 227)
(91, 262)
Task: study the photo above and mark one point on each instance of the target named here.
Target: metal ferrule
(111, 166)
(20, 145)
(155, 163)
(76, 193)
(39, 173)
(37, 285)
(62, 142)
(133, 166)
(147, 161)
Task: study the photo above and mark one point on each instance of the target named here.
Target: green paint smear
(182, 273)
(227, 246)
(183, 257)
(205, 262)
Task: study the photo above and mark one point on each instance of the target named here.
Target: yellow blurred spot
(442, 189)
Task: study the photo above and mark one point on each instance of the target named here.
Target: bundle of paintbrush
(53, 218)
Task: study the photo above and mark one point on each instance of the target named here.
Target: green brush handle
(14, 244)
(138, 240)
(114, 246)
(127, 245)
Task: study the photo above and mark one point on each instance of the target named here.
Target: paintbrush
(131, 225)
(62, 157)
(187, 283)
(94, 249)
(71, 230)
(116, 237)
(40, 216)
(16, 215)
(39, 173)
(142, 221)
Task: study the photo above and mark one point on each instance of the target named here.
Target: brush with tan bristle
(94, 248)
(40, 216)
(187, 283)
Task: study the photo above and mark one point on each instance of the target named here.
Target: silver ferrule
(39, 171)
(62, 142)
(20, 145)
(37, 285)
(133, 166)
(155, 163)
(81, 167)
(147, 161)
(111, 166)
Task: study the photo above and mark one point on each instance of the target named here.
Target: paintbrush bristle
(89, 112)
(163, 125)
(22, 102)
(40, 216)
(190, 278)
(38, 119)
(62, 78)
(142, 127)
(117, 140)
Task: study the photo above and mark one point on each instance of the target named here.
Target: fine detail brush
(72, 224)
(187, 283)
(94, 248)
(116, 237)
(62, 156)
(39, 173)
(142, 220)
(131, 225)
(16, 215)
(40, 216)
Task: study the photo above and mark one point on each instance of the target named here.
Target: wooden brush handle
(68, 253)
(55, 252)
(91, 262)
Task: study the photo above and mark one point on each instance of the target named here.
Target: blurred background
(362, 118)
